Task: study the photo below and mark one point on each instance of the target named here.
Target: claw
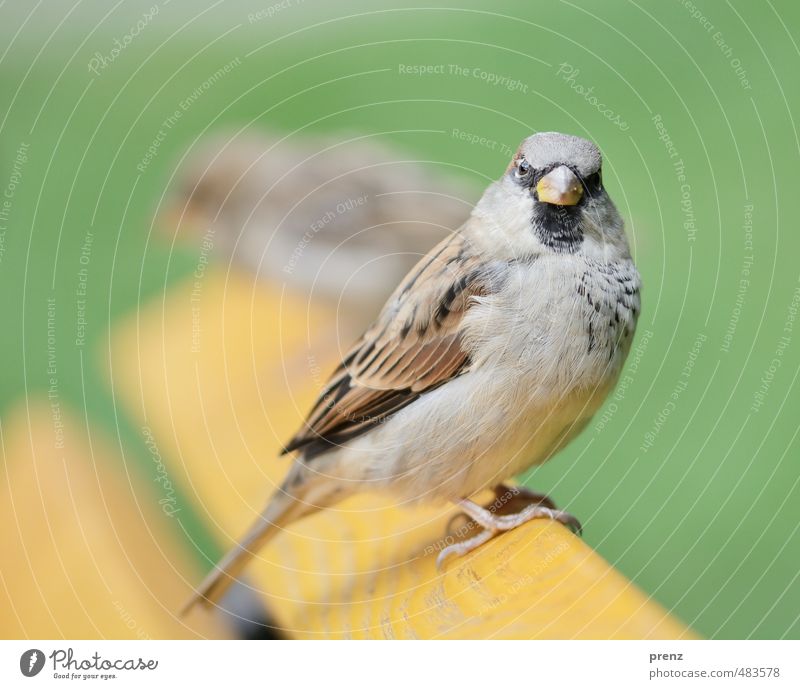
(569, 521)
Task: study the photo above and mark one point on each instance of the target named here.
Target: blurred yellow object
(85, 550)
(220, 407)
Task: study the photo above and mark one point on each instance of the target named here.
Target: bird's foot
(539, 507)
(506, 522)
(508, 499)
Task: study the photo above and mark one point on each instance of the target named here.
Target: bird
(491, 355)
(339, 218)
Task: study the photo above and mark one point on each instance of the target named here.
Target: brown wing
(414, 346)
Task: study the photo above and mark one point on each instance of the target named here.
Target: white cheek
(505, 213)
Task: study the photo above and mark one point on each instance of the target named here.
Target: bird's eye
(523, 170)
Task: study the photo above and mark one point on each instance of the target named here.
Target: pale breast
(561, 322)
(546, 350)
(556, 339)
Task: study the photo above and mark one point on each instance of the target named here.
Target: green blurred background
(689, 481)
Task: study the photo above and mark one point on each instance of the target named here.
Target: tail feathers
(281, 510)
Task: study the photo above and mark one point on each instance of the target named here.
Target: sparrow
(328, 217)
(489, 357)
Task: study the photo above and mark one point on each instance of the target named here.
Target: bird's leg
(494, 524)
(504, 494)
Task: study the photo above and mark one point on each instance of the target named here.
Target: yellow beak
(560, 187)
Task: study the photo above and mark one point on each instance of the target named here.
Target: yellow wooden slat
(220, 414)
(87, 550)
(367, 568)
(368, 571)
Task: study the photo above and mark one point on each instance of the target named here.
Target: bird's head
(551, 198)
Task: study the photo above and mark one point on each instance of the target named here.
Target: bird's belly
(540, 372)
(470, 434)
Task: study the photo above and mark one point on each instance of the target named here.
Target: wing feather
(414, 346)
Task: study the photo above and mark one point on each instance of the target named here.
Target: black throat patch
(558, 227)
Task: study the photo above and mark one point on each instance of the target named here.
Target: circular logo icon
(31, 662)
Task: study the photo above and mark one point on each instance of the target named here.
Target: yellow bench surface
(86, 550)
(222, 372)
